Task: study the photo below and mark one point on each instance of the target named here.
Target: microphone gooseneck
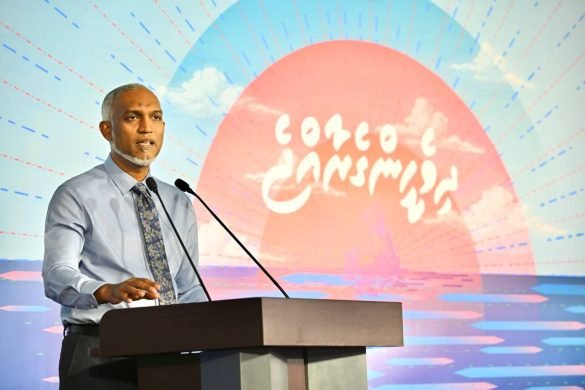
(183, 186)
(153, 186)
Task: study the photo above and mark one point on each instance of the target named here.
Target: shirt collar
(123, 181)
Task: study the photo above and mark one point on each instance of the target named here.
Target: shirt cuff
(88, 290)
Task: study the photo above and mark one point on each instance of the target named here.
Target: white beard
(141, 162)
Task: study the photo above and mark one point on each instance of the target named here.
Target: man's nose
(145, 125)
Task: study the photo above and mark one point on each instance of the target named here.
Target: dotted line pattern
(52, 58)
(21, 193)
(25, 58)
(27, 128)
(59, 110)
(34, 165)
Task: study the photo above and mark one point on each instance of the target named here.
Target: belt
(86, 330)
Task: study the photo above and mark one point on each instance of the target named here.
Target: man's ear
(106, 130)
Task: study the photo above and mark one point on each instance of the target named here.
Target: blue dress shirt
(93, 237)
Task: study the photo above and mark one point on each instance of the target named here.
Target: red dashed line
(205, 9)
(448, 237)
(460, 260)
(441, 253)
(324, 28)
(299, 22)
(177, 172)
(463, 28)
(189, 150)
(225, 41)
(442, 243)
(576, 216)
(487, 106)
(132, 42)
(550, 87)
(172, 22)
(34, 165)
(410, 26)
(542, 28)
(502, 235)
(535, 263)
(475, 175)
(49, 105)
(537, 190)
(269, 25)
(340, 13)
(530, 164)
(551, 152)
(502, 21)
(550, 183)
(489, 103)
(371, 19)
(442, 28)
(21, 234)
(255, 37)
(50, 56)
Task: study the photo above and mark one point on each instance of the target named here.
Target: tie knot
(140, 189)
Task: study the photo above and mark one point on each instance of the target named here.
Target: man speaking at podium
(109, 245)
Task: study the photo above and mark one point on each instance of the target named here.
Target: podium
(252, 343)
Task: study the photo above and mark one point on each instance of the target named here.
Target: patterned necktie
(155, 247)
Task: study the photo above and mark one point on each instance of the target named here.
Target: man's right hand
(129, 290)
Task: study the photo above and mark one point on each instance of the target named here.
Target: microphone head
(152, 184)
(182, 185)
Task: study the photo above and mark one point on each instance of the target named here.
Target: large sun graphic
(349, 157)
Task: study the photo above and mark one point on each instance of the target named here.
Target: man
(96, 255)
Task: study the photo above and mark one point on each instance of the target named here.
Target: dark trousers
(77, 370)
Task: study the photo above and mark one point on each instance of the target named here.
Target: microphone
(153, 186)
(183, 186)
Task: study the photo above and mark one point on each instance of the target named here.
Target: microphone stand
(153, 186)
(183, 186)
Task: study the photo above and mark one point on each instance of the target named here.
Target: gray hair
(111, 96)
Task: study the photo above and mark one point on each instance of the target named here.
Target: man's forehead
(142, 107)
(139, 98)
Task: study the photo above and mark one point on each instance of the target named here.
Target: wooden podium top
(249, 323)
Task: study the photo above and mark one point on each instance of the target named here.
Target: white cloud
(494, 213)
(451, 219)
(207, 93)
(423, 116)
(252, 104)
(494, 216)
(456, 143)
(489, 66)
(547, 230)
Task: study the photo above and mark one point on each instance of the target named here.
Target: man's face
(136, 127)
